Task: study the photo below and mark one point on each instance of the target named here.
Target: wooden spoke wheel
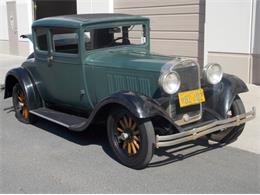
(128, 135)
(131, 139)
(21, 105)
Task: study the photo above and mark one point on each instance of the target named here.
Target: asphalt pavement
(47, 158)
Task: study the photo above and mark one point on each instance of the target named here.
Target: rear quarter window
(65, 40)
(41, 39)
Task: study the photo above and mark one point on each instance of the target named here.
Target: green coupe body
(92, 68)
(82, 80)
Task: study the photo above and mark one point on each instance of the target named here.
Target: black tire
(140, 133)
(230, 135)
(21, 106)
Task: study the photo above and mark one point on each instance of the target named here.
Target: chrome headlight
(170, 82)
(213, 73)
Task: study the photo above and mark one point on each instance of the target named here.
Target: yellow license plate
(192, 97)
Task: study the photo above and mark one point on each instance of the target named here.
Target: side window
(88, 39)
(65, 40)
(41, 38)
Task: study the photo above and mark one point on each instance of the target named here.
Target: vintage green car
(99, 68)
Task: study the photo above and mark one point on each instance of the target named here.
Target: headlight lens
(213, 73)
(170, 82)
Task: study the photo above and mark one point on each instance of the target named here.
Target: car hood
(127, 59)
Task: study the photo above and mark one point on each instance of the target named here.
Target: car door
(40, 70)
(65, 66)
(59, 67)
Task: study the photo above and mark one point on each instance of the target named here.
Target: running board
(69, 121)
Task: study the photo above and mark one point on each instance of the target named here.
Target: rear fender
(219, 97)
(22, 76)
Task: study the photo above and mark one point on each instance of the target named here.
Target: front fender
(139, 105)
(22, 76)
(220, 97)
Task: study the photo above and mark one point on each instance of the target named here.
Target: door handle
(50, 58)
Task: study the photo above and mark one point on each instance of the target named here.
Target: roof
(75, 21)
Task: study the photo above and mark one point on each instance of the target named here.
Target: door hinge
(82, 92)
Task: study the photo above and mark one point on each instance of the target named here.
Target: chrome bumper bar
(193, 134)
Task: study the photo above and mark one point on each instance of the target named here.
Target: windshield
(115, 36)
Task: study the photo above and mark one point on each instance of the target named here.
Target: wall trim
(228, 53)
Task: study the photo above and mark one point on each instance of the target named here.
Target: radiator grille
(189, 78)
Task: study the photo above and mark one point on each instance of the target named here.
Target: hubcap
(128, 135)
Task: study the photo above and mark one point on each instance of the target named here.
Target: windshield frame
(145, 46)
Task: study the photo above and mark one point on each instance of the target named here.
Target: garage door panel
(171, 35)
(162, 10)
(175, 47)
(175, 35)
(175, 22)
(189, 22)
(151, 3)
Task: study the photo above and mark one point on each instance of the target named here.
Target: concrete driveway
(47, 158)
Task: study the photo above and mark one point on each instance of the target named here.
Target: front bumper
(193, 134)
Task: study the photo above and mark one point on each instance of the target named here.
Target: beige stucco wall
(232, 63)
(177, 26)
(256, 69)
(246, 66)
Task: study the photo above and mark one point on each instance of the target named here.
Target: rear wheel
(20, 104)
(230, 135)
(132, 140)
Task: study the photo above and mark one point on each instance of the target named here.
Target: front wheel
(132, 140)
(231, 134)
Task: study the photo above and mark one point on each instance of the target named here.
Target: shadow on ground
(96, 134)
(183, 151)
